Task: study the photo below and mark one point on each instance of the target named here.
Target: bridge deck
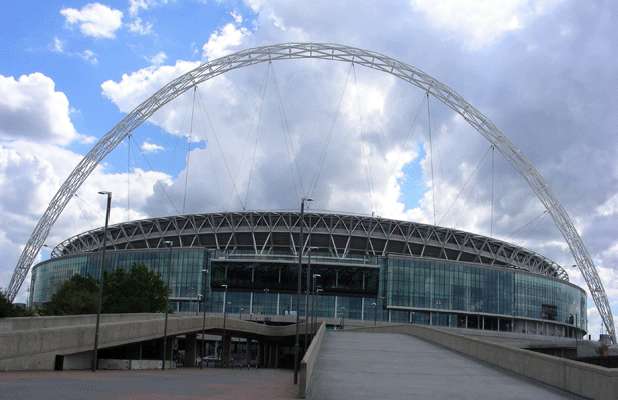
(355, 365)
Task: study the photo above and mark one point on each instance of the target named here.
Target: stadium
(366, 267)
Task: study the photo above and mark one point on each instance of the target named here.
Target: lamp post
(313, 294)
(375, 313)
(224, 303)
(204, 273)
(240, 313)
(95, 350)
(223, 338)
(317, 300)
(299, 283)
(266, 291)
(307, 288)
(342, 310)
(169, 244)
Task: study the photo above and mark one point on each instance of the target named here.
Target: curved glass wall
(185, 279)
(393, 288)
(427, 284)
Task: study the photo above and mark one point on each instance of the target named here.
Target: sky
(545, 72)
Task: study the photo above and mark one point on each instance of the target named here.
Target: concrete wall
(77, 361)
(308, 362)
(29, 323)
(36, 348)
(585, 380)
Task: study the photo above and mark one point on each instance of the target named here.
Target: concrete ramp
(354, 365)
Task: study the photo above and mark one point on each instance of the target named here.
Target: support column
(277, 355)
(190, 350)
(268, 354)
(225, 356)
(258, 358)
(248, 352)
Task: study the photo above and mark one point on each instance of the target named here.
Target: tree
(133, 291)
(8, 309)
(78, 295)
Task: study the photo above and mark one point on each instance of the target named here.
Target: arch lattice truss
(330, 52)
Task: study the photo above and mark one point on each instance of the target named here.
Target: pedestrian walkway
(171, 384)
(392, 366)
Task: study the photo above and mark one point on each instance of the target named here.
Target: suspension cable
(330, 134)
(129, 177)
(532, 221)
(433, 186)
(287, 137)
(364, 147)
(491, 217)
(407, 141)
(257, 131)
(466, 182)
(147, 161)
(220, 147)
(188, 153)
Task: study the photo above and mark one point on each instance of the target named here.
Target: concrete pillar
(277, 355)
(267, 355)
(248, 352)
(225, 356)
(258, 358)
(191, 353)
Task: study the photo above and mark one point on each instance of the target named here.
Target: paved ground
(179, 384)
(390, 366)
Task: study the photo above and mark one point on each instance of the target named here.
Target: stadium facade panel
(369, 267)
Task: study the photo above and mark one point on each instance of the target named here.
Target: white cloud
(137, 6)
(135, 87)
(57, 45)
(609, 208)
(95, 20)
(148, 147)
(31, 108)
(481, 22)
(223, 41)
(158, 58)
(89, 56)
(237, 17)
(140, 27)
(31, 173)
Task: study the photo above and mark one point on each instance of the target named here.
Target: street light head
(224, 286)
(168, 243)
(105, 192)
(317, 275)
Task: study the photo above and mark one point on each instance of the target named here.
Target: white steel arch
(331, 52)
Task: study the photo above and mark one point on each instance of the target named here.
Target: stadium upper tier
(339, 235)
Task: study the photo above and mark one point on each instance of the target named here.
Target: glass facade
(442, 285)
(393, 288)
(185, 279)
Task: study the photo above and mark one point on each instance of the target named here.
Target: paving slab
(354, 365)
(177, 384)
